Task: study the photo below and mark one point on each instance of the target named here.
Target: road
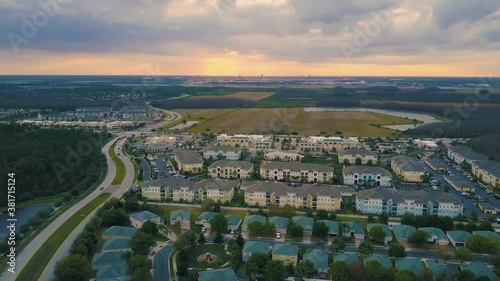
(161, 268)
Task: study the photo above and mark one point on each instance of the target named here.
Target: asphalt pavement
(161, 268)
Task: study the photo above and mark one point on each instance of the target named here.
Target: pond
(23, 215)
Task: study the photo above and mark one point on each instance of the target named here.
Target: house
(205, 218)
(354, 230)
(251, 247)
(113, 272)
(225, 274)
(358, 157)
(287, 253)
(402, 232)
(486, 208)
(366, 176)
(116, 245)
(458, 237)
(298, 172)
(280, 223)
(488, 171)
(139, 218)
(251, 218)
(222, 152)
(306, 223)
(382, 259)
(438, 267)
(181, 216)
(119, 232)
(412, 264)
(408, 168)
(233, 222)
(459, 184)
(487, 234)
(348, 258)
(479, 269)
(333, 228)
(436, 236)
(385, 227)
(320, 260)
(225, 169)
(283, 156)
(188, 161)
(108, 259)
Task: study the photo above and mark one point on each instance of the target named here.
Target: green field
(198, 250)
(39, 261)
(120, 167)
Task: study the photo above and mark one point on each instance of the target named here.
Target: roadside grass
(167, 127)
(39, 261)
(120, 167)
(43, 200)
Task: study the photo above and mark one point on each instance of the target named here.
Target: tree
(485, 225)
(443, 276)
(370, 162)
(338, 271)
(201, 239)
(321, 215)
(357, 272)
(337, 245)
(306, 269)
(218, 239)
(73, 267)
(397, 250)
(371, 219)
(463, 254)
(187, 239)
(471, 227)
(112, 217)
(495, 261)
(139, 267)
(219, 223)
(295, 230)
(257, 228)
(320, 230)
(365, 249)
(207, 204)
(141, 243)
(404, 275)
(274, 271)
(377, 234)
(149, 227)
(255, 264)
(240, 241)
(419, 237)
(426, 275)
(383, 218)
(465, 275)
(358, 161)
(480, 243)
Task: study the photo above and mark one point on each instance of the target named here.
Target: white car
(278, 235)
(203, 229)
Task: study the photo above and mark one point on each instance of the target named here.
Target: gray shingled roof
(358, 169)
(236, 164)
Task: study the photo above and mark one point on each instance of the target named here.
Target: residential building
(121, 245)
(366, 176)
(463, 154)
(136, 112)
(299, 172)
(195, 192)
(436, 236)
(479, 269)
(333, 228)
(233, 223)
(487, 171)
(320, 260)
(354, 230)
(259, 142)
(458, 237)
(402, 232)
(225, 274)
(363, 157)
(280, 223)
(487, 234)
(436, 164)
(222, 152)
(412, 264)
(399, 202)
(287, 253)
(205, 218)
(119, 232)
(486, 208)
(58, 117)
(408, 168)
(139, 218)
(327, 143)
(427, 145)
(112, 272)
(283, 156)
(382, 259)
(385, 228)
(306, 223)
(438, 267)
(251, 218)
(155, 190)
(188, 161)
(182, 217)
(108, 259)
(93, 113)
(225, 169)
(459, 184)
(252, 247)
(348, 258)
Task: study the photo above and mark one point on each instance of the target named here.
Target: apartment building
(155, 190)
(222, 152)
(328, 143)
(245, 141)
(408, 168)
(488, 171)
(283, 156)
(188, 161)
(298, 172)
(460, 154)
(230, 169)
(136, 112)
(397, 203)
(366, 157)
(366, 176)
(93, 112)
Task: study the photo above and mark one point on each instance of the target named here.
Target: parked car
(278, 235)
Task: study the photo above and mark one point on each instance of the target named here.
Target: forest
(49, 161)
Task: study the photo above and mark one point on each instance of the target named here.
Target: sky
(251, 37)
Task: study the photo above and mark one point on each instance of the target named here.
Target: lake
(23, 215)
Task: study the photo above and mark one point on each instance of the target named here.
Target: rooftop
(121, 231)
(382, 259)
(216, 184)
(180, 215)
(435, 233)
(256, 247)
(354, 227)
(280, 222)
(297, 167)
(402, 231)
(305, 222)
(361, 152)
(459, 235)
(408, 163)
(348, 258)
(222, 148)
(116, 244)
(385, 227)
(233, 220)
(479, 269)
(400, 196)
(318, 257)
(412, 264)
(206, 216)
(487, 234)
(144, 216)
(467, 153)
(439, 266)
(112, 272)
(188, 157)
(225, 274)
(358, 169)
(333, 226)
(109, 258)
(286, 250)
(251, 218)
(236, 164)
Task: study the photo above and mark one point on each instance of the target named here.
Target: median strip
(120, 167)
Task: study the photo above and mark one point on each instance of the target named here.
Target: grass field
(198, 250)
(39, 261)
(251, 96)
(287, 120)
(120, 167)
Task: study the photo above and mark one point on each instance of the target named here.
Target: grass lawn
(198, 250)
(38, 262)
(120, 167)
(259, 120)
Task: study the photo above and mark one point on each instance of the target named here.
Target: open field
(251, 96)
(38, 262)
(287, 120)
(120, 167)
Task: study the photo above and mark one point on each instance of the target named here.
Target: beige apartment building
(188, 161)
(408, 168)
(230, 169)
(366, 157)
(297, 172)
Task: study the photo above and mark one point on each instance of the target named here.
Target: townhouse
(487, 171)
(222, 152)
(225, 169)
(287, 253)
(366, 176)
(397, 203)
(362, 156)
(188, 161)
(259, 142)
(298, 172)
(408, 168)
(462, 154)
